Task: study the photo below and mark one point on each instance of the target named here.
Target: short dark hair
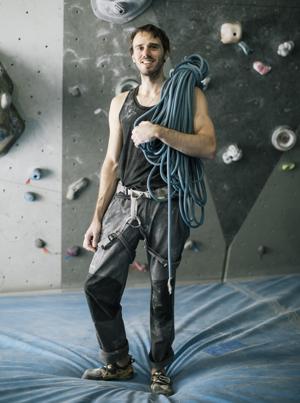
(156, 32)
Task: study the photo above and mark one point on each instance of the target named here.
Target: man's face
(148, 54)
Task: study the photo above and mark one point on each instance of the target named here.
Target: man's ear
(133, 59)
(167, 54)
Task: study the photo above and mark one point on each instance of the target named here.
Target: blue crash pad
(235, 342)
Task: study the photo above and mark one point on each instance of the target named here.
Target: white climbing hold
(5, 100)
(233, 153)
(75, 91)
(119, 12)
(261, 68)
(283, 138)
(205, 82)
(76, 187)
(285, 48)
(231, 32)
(192, 245)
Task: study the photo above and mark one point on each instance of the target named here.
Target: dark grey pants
(109, 270)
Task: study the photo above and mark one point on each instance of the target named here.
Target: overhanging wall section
(31, 50)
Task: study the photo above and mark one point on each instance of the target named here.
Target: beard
(154, 72)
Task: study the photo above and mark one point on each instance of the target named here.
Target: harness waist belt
(161, 193)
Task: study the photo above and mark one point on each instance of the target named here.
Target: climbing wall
(245, 106)
(66, 65)
(256, 213)
(31, 35)
(97, 62)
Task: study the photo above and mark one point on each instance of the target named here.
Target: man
(125, 214)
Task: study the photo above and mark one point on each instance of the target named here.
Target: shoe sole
(108, 379)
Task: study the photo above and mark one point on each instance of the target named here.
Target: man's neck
(150, 85)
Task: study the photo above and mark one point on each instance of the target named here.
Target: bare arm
(201, 144)
(108, 175)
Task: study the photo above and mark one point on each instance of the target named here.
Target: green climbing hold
(288, 166)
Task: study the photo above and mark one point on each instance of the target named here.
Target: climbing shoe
(110, 372)
(160, 383)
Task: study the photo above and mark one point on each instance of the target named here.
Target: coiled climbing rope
(183, 174)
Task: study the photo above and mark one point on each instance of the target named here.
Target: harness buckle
(135, 194)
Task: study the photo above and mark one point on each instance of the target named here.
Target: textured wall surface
(273, 223)
(31, 35)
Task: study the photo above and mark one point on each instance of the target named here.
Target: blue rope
(183, 175)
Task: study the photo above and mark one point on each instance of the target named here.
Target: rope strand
(183, 174)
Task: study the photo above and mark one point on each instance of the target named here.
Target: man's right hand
(92, 236)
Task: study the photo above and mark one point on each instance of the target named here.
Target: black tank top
(133, 166)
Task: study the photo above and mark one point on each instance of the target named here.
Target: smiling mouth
(147, 61)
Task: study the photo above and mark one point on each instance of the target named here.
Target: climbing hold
(126, 84)
(121, 8)
(192, 245)
(73, 251)
(75, 91)
(245, 48)
(139, 266)
(11, 124)
(283, 138)
(75, 187)
(119, 12)
(285, 48)
(36, 174)
(232, 153)
(30, 196)
(205, 82)
(261, 250)
(4, 133)
(39, 243)
(289, 166)
(5, 100)
(261, 68)
(231, 32)
(188, 245)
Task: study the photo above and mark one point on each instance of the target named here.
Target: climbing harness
(183, 175)
(161, 194)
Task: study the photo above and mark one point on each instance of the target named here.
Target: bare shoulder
(199, 94)
(201, 103)
(118, 101)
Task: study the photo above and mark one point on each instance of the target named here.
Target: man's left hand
(144, 132)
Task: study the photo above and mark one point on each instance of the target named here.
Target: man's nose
(146, 51)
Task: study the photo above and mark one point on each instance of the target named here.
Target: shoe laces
(159, 377)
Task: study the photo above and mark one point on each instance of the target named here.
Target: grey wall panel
(96, 58)
(274, 222)
(31, 50)
(204, 262)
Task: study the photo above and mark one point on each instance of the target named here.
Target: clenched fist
(92, 236)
